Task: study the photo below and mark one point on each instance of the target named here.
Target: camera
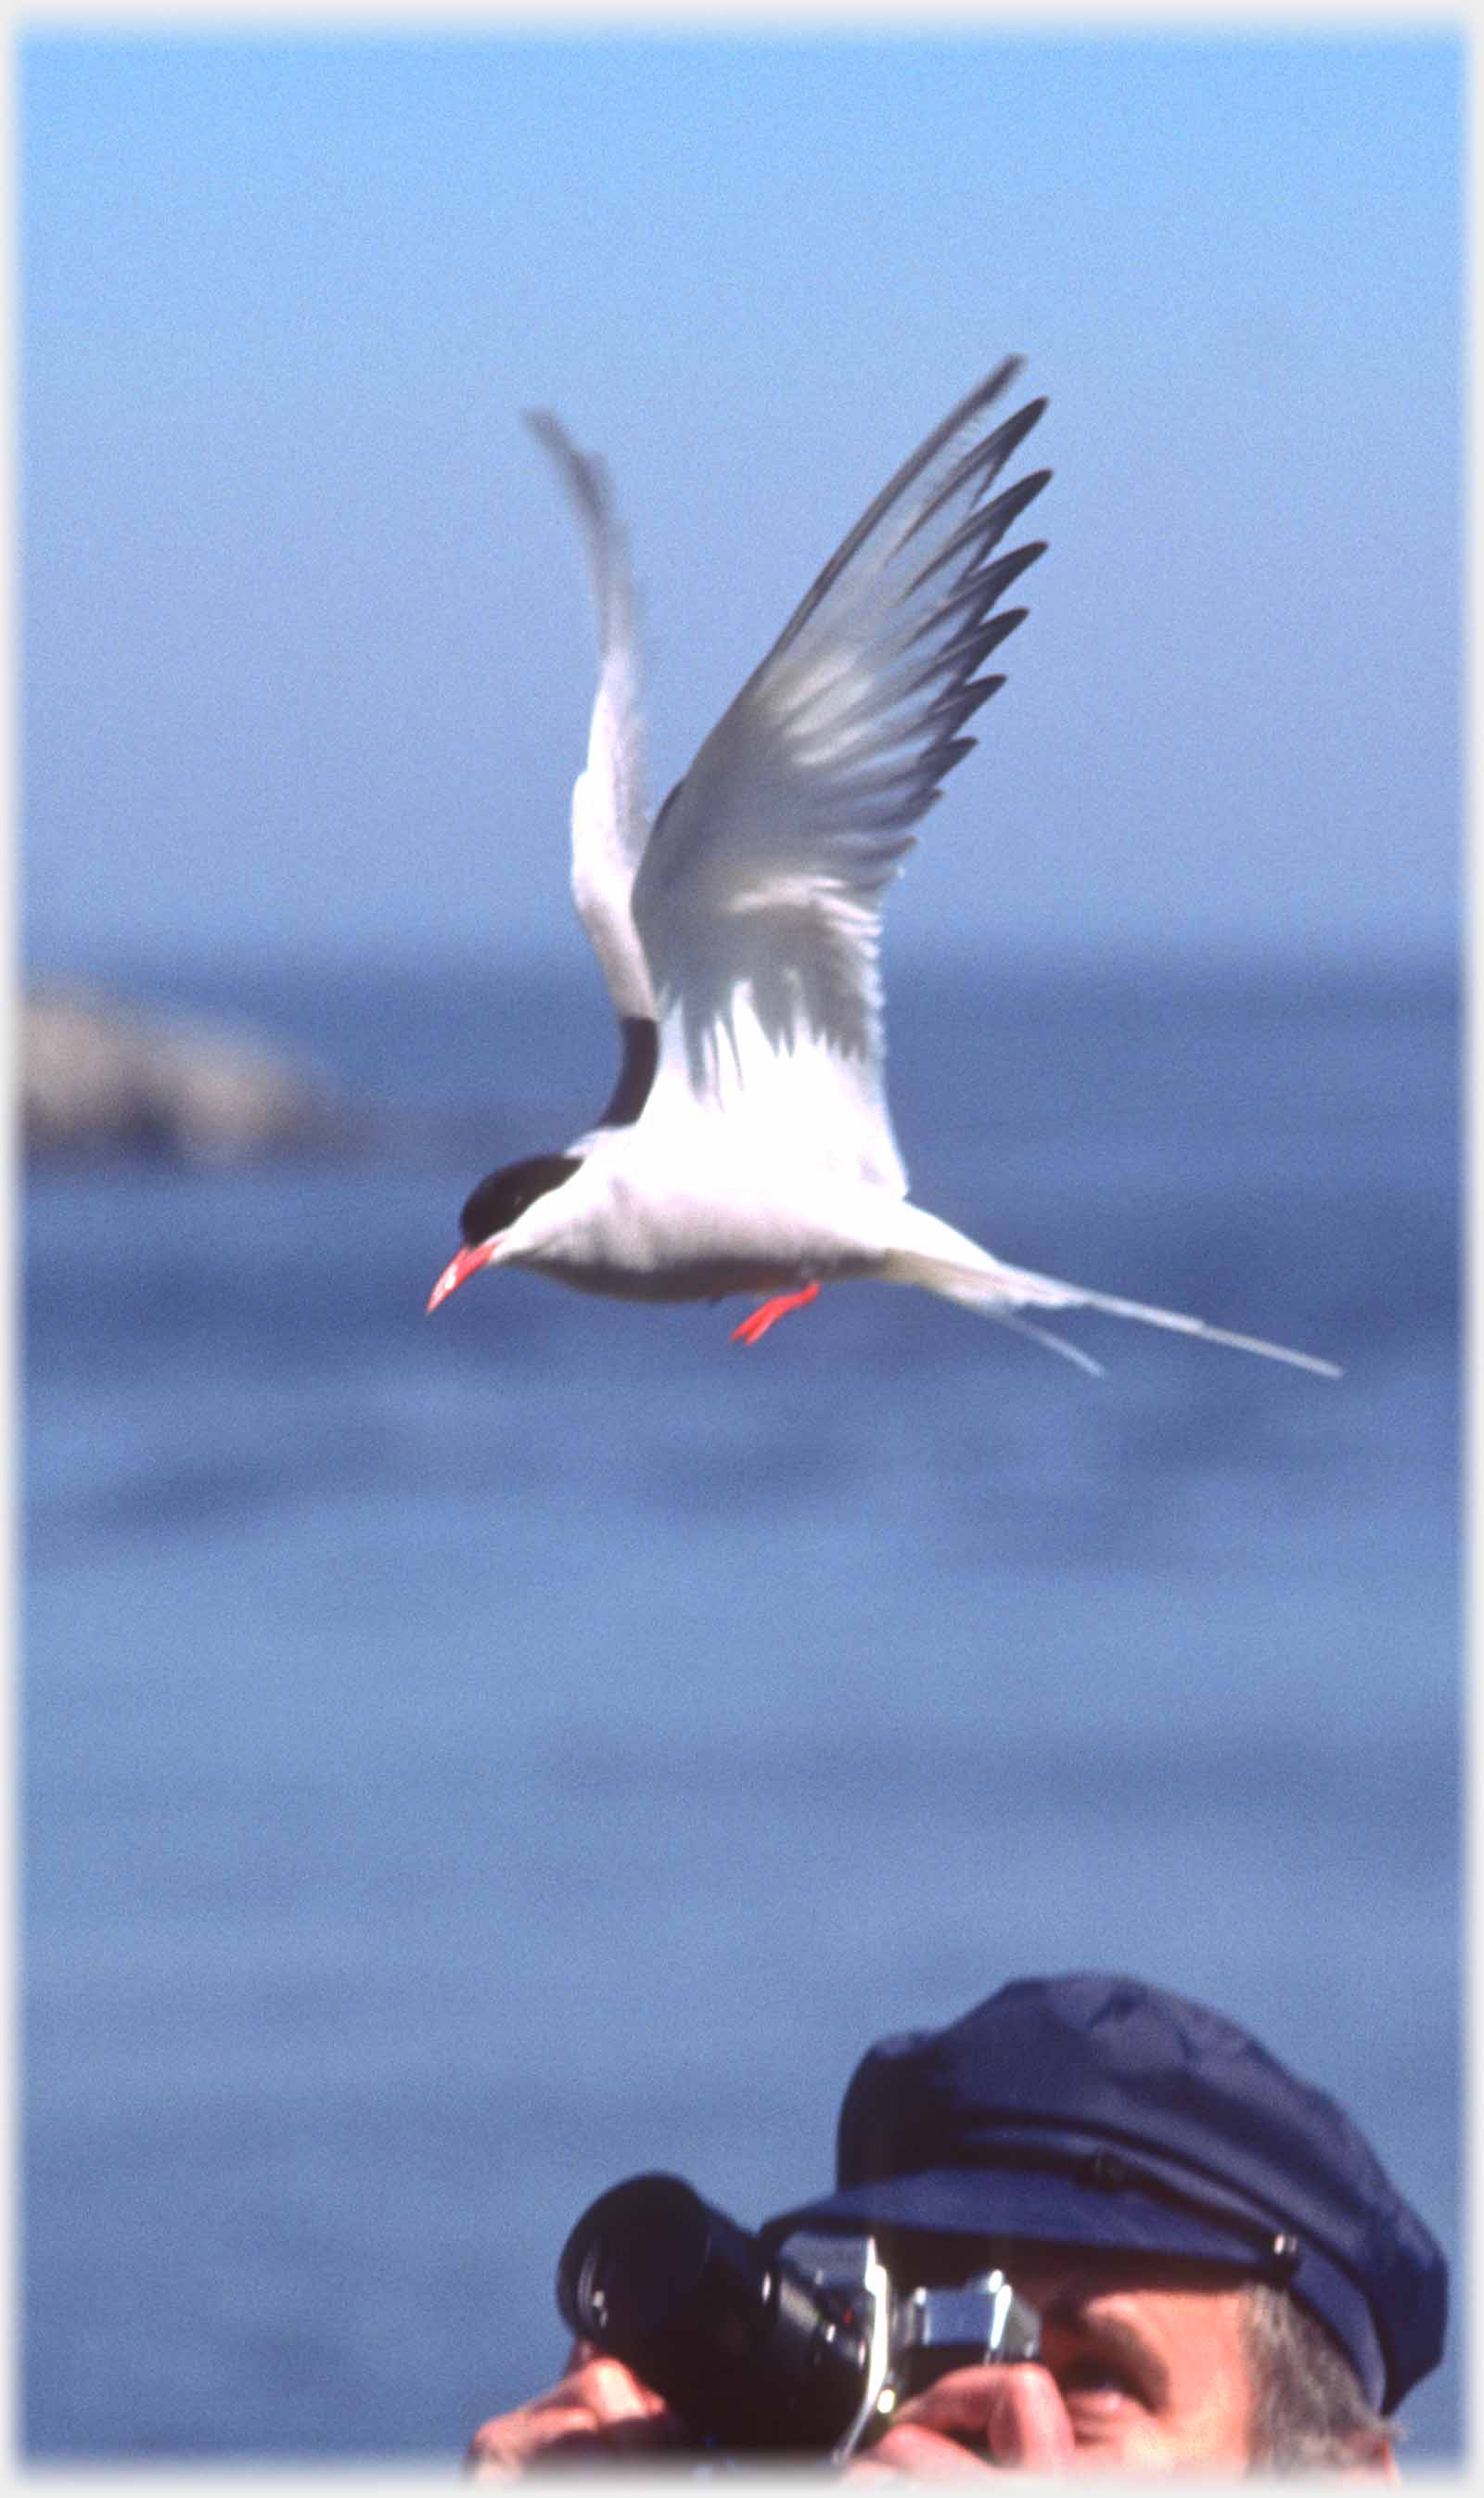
(803, 2348)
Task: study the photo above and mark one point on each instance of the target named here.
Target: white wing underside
(759, 898)
(610, 825)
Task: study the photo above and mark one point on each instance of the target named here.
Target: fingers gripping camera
(804, 2348)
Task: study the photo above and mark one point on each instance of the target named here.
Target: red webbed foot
(761, 1319)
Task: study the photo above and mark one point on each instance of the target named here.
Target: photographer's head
(1225, 2274)
(1226, 2279)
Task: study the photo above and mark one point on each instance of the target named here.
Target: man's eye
(1100, 2380)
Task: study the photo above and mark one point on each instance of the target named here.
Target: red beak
(459, 1270)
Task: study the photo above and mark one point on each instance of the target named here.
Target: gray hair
(1308, 2409)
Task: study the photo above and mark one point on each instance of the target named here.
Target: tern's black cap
(1096, 2111)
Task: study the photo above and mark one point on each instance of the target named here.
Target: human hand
(991, 2417)
(599, 2408)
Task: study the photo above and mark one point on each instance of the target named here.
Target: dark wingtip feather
(1007, 569)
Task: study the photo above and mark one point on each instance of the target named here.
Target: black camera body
(807, 2348)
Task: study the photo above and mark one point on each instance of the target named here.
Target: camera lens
(640, 2268)
(750, 2353)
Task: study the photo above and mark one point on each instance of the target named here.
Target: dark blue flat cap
(1095, 2111)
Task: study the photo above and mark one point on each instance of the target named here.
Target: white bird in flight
(747, 1146)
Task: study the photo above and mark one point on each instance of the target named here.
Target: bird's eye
(500, 1200)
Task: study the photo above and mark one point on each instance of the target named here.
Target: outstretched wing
(610, 825)
(759, 898)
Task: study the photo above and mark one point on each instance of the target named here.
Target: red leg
(761, 1319)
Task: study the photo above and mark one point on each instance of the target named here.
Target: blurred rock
(98, 1075)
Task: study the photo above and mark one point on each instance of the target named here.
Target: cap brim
(1020, 2203)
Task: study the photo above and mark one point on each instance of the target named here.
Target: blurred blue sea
(467, 1760)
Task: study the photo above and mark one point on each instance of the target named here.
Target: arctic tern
(747, 1145)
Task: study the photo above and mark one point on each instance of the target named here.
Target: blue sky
(306, 650)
